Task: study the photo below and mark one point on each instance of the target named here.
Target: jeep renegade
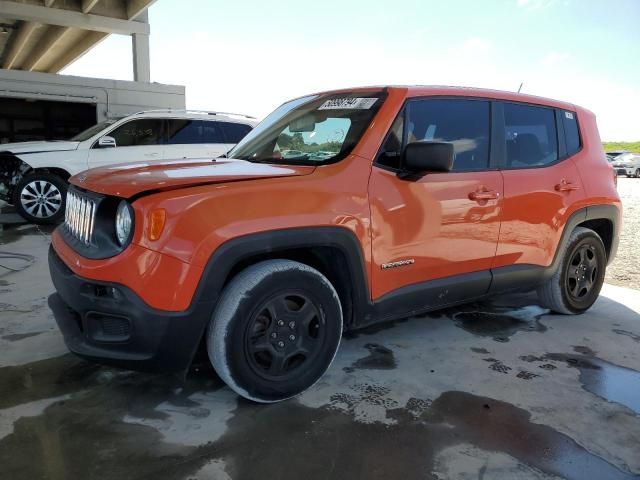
(339, 210)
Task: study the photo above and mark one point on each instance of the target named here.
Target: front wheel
(637, 175)
(40, 198)
(275, 330)
(576, 284)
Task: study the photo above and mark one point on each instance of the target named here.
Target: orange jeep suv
(339, 210)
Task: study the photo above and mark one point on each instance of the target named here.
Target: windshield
(311, 130)
(91, 131)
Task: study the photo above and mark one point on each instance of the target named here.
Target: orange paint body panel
(163, 282)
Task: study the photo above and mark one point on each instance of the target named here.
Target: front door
(442, 225)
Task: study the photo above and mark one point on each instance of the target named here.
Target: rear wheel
(275, 331)
(576, 284)
(40, 198)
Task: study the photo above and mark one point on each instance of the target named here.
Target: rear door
(136, 140)
(441, 225)
(193, 138)
(541, 182)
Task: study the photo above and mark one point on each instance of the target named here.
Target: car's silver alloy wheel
(41, 199)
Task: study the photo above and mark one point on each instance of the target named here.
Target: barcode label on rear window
(348, 104)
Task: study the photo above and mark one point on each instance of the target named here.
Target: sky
(250, 56)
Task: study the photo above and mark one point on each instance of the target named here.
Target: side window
(146, 131)
(234, 132)
(571, 132)
(531, 135)
(392, 149)
(465, 123)
(189, 132)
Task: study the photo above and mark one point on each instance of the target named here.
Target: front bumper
(624, 171)
(108, 323)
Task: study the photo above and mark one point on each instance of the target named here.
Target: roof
(441, 90)
(211, 116)
(48, 35)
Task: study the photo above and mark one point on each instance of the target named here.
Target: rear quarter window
(571, 132)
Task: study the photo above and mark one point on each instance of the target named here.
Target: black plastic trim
(167, 341)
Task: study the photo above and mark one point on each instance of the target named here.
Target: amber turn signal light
(157, 219)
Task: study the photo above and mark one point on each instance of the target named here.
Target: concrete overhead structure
(47, 35)
(39, 38)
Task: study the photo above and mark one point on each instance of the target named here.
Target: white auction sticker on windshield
(348, 104)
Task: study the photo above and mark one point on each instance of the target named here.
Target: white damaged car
(33, 175)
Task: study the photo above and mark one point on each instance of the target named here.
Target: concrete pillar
(141, 61)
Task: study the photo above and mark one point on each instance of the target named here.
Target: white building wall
(113, 98)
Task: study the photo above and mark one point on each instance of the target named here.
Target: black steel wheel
(284, 335)
(582, 271)
(275, 330)
(576, 284)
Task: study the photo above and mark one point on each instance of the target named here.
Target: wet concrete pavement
(494, 390)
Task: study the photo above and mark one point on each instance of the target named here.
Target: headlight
(124, 223)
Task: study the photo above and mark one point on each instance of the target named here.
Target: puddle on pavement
(379, 358)
(606, 380)
(122, 423)
(497, 322)
(13, 233)
(20, 336)
(626, 333)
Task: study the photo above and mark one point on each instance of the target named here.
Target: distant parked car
(33, 175)
(627, 164)
(615, 154)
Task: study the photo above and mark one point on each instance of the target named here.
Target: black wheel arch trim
(516, 277)
(408, 300)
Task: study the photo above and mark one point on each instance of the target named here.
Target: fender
(517, 277)
(240, 249)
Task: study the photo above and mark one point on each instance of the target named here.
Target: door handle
(483, 194)
(565, 186)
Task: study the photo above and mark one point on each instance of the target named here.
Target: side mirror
(425, 156)
(106, 142)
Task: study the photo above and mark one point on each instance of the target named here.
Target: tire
(637, 175)
(40, 198)
(576, 284)
(275, 330)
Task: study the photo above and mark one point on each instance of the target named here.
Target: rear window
(571, 132)
(234, 132)
(531, 135)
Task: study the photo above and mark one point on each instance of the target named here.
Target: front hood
(39, 147)
(131, 179)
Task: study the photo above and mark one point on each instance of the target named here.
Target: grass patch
(629, 146)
